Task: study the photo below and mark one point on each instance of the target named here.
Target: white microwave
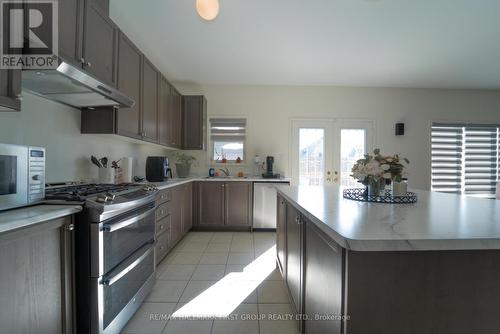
(22, 175)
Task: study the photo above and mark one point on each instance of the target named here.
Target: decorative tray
(361, 194)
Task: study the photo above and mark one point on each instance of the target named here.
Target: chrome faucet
(225, 170)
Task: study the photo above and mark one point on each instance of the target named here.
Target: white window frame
(211, 158)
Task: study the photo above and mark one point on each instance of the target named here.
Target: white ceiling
(388, 43)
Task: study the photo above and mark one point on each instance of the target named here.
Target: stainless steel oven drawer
(114, 240)
(117, 289)
(162, 246)
(163, 210)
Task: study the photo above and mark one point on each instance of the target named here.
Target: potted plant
(183, 164)
(373, 171)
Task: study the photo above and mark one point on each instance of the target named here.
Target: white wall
(57, 128)
(270, 108)
(269, 111)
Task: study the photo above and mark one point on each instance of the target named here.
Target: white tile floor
(228, 282)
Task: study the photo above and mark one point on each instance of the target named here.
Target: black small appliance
(269, 174)
(158, 169)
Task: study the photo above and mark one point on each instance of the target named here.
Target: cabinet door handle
(82, 60)
(88, 64)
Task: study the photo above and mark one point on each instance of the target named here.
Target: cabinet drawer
(164, 196)
(162, 211)
(163, 225)
(162, 246)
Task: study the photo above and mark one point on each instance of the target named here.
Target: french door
(323, 151)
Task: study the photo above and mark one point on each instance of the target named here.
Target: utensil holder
(106, 175)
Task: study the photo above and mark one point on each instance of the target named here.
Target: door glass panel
(352, 148)
(8, 174)
(311, 156)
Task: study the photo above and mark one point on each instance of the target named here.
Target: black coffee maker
(158, 169)
(269, 174)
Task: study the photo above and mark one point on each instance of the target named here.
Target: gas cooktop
(81, 192)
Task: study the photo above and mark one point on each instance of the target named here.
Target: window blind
(465, 158)
(228, 129)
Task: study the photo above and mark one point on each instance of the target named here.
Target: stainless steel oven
(22, 175)
(115, 259)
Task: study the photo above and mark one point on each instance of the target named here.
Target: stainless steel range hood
(73, 86)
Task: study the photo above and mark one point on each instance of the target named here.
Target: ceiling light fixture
(207, 9)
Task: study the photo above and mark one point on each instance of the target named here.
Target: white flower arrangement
(376, 168)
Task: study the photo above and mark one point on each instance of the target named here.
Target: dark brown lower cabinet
(187, 207)
(281, 234)
(210, 204)
(36, 284)
(173, 218)
(225, 204)
(323, 263)
(294, 232)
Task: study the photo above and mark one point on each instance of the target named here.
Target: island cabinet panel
(294, 256)
(415, 292)
(323, 282)
(100, 42)
(36, 284)
(281, 234)
(128, 120)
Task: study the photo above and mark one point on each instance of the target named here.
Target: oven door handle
(116, 226)
(113, 278)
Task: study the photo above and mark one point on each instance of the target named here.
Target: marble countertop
(436, 222)
(16, 219)
(178, 181)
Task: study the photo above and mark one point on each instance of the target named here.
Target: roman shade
(228, 129)
(465, 158)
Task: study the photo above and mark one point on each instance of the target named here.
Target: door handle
(125, 223)
(113, 278)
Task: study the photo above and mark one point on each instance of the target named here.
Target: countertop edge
(366, 245)
(34, 218)
(178, 182)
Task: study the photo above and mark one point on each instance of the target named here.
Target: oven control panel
(36, 174)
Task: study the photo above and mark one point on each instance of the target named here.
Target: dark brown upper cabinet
(194, 119)
(10, 90)
(70, 21)
(128, 120)
(150, 83)
(100, 44)
(164, 112)
(176, 114)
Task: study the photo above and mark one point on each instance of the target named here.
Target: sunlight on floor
(226, 295)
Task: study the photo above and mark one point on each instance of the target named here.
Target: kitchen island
(353, 267)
